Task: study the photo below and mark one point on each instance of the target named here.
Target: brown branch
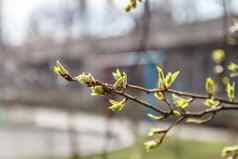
(169, 128)
(185, 114)
(181, 93)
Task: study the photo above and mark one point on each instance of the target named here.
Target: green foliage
(156, 131)
(160, 96)
(211, 103)
(218, 56)
(230, 90)
(97, 91)
(230, 152)
(120, 79)
(233, 68)
(85, 79)
(166, 81)
(161, 77)
(210, 86)
(176, 113)
(180, 102)
(149, 145)
(60, 70)
(170, 78)
(200, 120)
(155, 117)
(117, 106)
(131, 5)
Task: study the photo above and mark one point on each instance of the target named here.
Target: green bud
(211, 103)
(97, 91)
(85, 79)
(170, 78)
(121, 79)
(230, 151)
(218, 56)
(176, 113)
(160, 96)
(155, 117)
(149, 145)
(161, 76)
(156, 131)
(180, 102)
(210, 86)
(117, 106)
(233, 68)
(60, 70)
(230, 91)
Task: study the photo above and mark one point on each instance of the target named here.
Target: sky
(17, 12)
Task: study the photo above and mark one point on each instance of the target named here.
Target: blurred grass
(170, 149)
(173, 149)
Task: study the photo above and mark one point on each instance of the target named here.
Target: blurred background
(44, 117)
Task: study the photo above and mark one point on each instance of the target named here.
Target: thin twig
(181, 93)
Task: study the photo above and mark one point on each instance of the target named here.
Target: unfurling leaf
(156, 131)
(149, 145)
(230, 90)
(160, 96)
(60, 70)
(211, 103)
(210, 86)
(180, 102)
(155, 117)
(161, 76)
(85, 79)
(170, 78)
(230, 151)
(218, 56)
(97, 91)
(121, 79)
(117, 106)
(200, 120)
(132, 4)
(176, 113)
(233, 68)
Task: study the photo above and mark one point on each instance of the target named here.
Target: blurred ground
(90, 136)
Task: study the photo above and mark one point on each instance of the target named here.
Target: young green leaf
(60, 70)
(155, 117)
(176, 113)
(180, 102)
(121, 79)
(149, 145)
(156, 131)
(97, 91)
(117, 106)
(161, 76)
(160, 96)
(211, 103)
(85, 79)
(233, 68)
(218, 56)
(230, 91)
(210, 86)
(230, 151)
(200, 120)
(170, 78)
